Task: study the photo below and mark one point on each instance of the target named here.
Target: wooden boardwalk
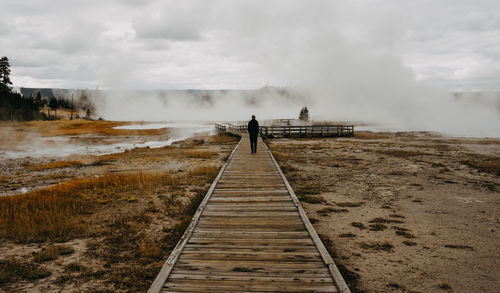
(250, 234)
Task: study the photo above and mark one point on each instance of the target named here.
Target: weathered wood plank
(248, 236)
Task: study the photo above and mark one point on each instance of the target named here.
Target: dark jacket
(253, 127)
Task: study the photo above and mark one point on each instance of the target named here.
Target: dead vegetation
(52, 252)
(53, 165)
(489, 164)
(377, 245)
(83, 127)
(129, 221)
(12, 269)
(406, 183)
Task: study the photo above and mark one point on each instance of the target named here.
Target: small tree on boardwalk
(5, 83)
(304, 114)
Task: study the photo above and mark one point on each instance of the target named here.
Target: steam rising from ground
(340, 70)
(402, 106)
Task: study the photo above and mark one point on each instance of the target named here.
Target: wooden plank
(174, 255)
(339, 280)
(236, 286)
(249, 241)
(253, 264)
(249, 235)
(239, 271)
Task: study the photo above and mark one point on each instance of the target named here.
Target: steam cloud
(339, 77)
(346, 60)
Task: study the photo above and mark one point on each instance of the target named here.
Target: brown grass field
(105, 223)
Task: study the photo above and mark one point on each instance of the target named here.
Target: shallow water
(57, 146)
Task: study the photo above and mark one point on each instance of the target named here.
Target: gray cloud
(229, 43)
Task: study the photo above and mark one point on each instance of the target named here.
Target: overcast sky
(207, 44)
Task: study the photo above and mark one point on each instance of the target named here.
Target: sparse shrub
(490, 164)
(409, 243)
(384, 221)
(350, 204)
(377, 227)
(149, 248)
(349, 235)
(444, 286)
(312, 199)
(384, 246)
(11, 270)
(327, 210)
(53, 165)
(52, 252)
(459, 246)
(75, 267)
(405, 234)
(358, 225)
(396, 216)
(401, 153)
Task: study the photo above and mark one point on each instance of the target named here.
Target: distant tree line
(19, 107)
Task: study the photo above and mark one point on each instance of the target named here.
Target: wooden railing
(293, 131)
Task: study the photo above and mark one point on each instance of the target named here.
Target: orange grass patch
(490, 164)
(210, 172)
(56, 212)
(81, 127)
(53, 165)
(201, 154)
(370, 135)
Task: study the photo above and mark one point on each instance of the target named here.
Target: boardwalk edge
(162, 276)
(334, 272)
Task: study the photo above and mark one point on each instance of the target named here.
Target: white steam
(342, 69)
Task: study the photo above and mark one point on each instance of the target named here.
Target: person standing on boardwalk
(253, 130)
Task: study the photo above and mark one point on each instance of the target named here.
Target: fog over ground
(389, 62)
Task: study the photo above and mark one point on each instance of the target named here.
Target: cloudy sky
(152, 44)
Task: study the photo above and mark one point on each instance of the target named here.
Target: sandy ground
(405, 212)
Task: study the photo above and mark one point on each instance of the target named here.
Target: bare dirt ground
(105, 223)
(402, 212)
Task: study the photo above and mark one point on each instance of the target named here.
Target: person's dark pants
(253, 143)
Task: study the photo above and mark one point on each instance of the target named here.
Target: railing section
(293, 131)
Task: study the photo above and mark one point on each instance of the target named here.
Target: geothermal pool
(62, 146)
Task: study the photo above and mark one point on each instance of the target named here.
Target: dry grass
(53, 165)
(56, 212)
(347, 235)
(52, 252)
(327, 210)
(82, 127)
(401, 153)
(311, 199)
(377, 246)
(405, 234)
(12, 270)
(350, 204)
(444, 286)
(201, 154)
(385, 221)
(358, 225)
(209, 172)
(370, 135)
(459, 246)
(377, 227)
(489, 164)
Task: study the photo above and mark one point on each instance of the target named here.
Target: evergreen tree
(304, 114)
(5, 83)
